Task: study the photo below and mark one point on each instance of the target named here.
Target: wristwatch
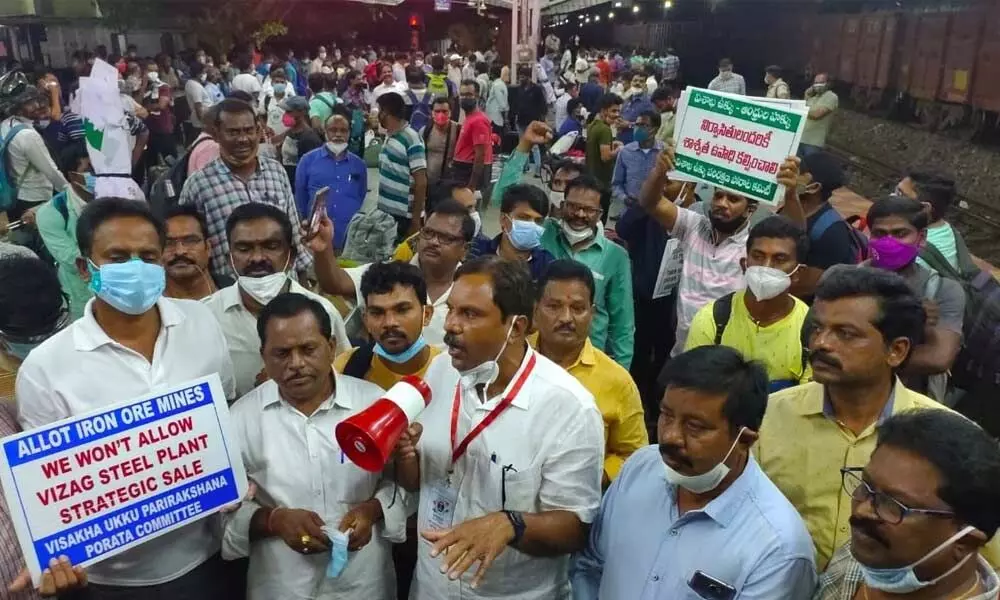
(517, 522)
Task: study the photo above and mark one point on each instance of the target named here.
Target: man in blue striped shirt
(402, 166)
(636, 159)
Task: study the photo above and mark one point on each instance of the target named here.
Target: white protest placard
(95, 485)
(734, 142)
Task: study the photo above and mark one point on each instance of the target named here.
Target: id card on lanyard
(443, 496)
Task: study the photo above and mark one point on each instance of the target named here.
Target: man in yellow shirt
(764, 321)
(395, 314)
(563, 314)
(866, 322)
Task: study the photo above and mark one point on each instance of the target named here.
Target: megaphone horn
(369, 437)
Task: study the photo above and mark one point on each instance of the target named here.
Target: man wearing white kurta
(285, 427)
(527, 445)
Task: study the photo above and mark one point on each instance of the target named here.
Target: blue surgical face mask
(19, 350)
(338, 551)
(279, 88)
(903, 580)
(131, 287)
(405, 355)
(90, 182)
(525, 235)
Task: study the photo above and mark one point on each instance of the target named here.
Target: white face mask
(556, 198)
(707, 481)
(574, 236)
(153, 76)
(336, 147)
(478, 220)
(264, 289)
(486, 372)
(767, 282)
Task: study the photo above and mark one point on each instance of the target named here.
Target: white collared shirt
(240, 328)
(434, 331)
(550, 442)
(81, 369)
(296, 463)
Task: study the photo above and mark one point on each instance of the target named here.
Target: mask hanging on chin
(486, 372)
(264, 289)
(403, 356)
(903, 580)
(574, 236)
(707, 481)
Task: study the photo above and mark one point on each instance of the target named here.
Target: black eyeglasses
(887, 508)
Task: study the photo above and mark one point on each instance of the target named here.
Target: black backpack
(166, 190)
(360, 361)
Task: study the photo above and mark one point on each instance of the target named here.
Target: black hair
(251, 211)
(380, 278)
(31, 298)
(901, 312)
(662, 93)
(654, 118)
(71, 155)
(473, 83)
(937, 190)
(773, 71)
(513, 292)
(898, 206)
(724, 63)
(825, 170)
(781, 228)
(482, 67)
(589, 182)
(572, 105)
(527, 193)
(571, 85)
(437, 63)
(100, 210)
(608, 100)
(195, 69)
(965, 456)
(568, 165)
(566, 269)
(317, 82)
(234, 106)
(415, 74)
(495, 71)
(290, 304)
(524, 72)
(453, 208)
(440, 100)
(392, 104)
(187, 210)
(721, 370)
(239, 95)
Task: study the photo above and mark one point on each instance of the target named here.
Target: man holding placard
(129, 342)
(313, 505)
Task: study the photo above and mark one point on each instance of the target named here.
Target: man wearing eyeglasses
(185, 256)
(442, 244)
(866, 322)
(921, 510)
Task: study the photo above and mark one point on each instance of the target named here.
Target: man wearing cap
(455, 70)
(299, 138)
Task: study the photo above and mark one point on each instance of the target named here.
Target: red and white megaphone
(369, 437)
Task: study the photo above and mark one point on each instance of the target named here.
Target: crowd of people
(699, 396)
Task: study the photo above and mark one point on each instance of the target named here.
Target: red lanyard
(458, 451)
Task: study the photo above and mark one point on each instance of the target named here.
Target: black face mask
(727, 227)
(468, 104)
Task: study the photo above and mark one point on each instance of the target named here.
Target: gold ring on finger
(305, 540)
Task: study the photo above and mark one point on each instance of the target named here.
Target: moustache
(673, 452)
(181, 260)
(259, 268)
(568, 328)
(826, 358)
(393, 334)
(450, 339)
(868, 527)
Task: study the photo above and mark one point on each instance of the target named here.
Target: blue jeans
(536, 154)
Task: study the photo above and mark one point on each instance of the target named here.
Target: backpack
(421, 114)
(360, 361)
(721, 311)
(976, 369)
(8, 187)
(59, 201)
(858, 240)
(439, 85)
(371, 237)
(166, 189)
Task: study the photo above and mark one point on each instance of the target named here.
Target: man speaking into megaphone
(508, 455)
(319, 526)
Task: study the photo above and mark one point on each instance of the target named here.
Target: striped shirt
(710, 270)
(402, 155)
(11, 558)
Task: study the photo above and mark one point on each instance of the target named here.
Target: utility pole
(525, 31)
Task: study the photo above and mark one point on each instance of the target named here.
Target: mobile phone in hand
(318, 210)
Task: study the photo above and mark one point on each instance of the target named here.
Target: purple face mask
(891, 254)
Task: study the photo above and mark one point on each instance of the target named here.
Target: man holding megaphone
(508, 455)
(319, 527)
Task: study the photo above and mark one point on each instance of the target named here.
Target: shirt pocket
(519, 489)
(354, 485)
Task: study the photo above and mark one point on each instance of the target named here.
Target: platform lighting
(597, 18)
(579, 17)
(635, 9)
(587, 20)
(611, 14)
(668, 4)
(618, 4)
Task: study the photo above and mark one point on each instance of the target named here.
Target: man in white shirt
(307, 488)
(441, 246)
(198, 102)
(316, 66)
(247, 81)
(508, 453)
(261, 252)
(572, 90)
(130, 341)
(455, 69)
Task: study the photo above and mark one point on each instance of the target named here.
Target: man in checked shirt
(237, 177)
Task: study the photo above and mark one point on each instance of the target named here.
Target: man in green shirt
(578, 236)
(602, 149)
(822, 103)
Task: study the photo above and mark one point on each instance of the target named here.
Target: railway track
(975, 219)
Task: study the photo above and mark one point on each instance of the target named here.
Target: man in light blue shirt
(695, 517)
(636, 159)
